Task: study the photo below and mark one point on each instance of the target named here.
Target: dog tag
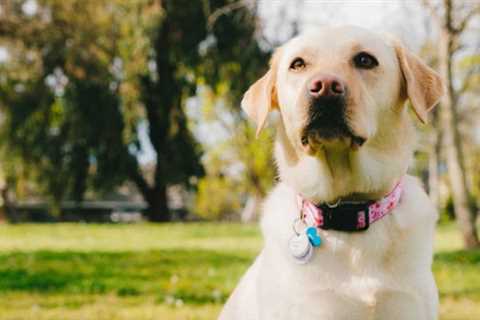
(312, 234)
(301, 248)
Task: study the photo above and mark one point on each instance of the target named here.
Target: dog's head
(341, 87)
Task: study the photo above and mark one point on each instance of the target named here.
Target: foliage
(75, 93)
(217, 195)
(163, 91)
(236, 161)
(173, 271)
(242, 164)
(63, 114)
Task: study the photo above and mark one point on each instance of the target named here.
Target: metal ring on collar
(295, 223)
(334, 205)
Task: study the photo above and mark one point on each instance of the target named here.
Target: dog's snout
(326, 86)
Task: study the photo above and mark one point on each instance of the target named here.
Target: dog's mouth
(328, 124)
(312, 139)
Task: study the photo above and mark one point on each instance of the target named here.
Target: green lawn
(175, 271)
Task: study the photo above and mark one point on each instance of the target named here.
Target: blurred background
(118, 114)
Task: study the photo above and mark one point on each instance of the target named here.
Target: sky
(3, 54)
(402, 18)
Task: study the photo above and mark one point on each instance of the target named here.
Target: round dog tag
(301, 248)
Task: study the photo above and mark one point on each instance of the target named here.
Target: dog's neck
(368, 173)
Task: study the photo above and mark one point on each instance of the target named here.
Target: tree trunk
(9, 205)
(157, 200)
(433, 160)
(156, 196)
(461, 200)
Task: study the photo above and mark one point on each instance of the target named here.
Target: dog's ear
(261, 97)
(423, 86)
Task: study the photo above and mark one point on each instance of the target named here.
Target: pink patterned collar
(349, 216)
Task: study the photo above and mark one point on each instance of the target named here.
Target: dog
(347, 233)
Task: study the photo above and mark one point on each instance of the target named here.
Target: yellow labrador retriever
(348, 235)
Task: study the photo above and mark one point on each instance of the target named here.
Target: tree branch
(8, 27)
(468, 17)
(137, 177)
(224, 11)
(468, 78)
(474, 70)
(433, 12)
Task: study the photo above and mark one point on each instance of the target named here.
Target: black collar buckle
(345, 216)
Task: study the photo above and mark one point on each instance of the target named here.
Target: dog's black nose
(326, 86)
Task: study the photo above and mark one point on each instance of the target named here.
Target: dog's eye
(297, 64)
(364, 60)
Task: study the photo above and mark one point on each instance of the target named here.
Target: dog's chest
(360, 267)
(361, 275)
(343, 283)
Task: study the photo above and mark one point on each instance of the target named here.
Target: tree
(76, 92)
(174, 41)
(237, 163)
(452, 21)
(210, 45)
(89, 86)
(62, 111)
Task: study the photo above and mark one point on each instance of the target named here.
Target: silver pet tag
(301, 248)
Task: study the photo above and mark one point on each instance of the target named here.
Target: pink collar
(349, 216)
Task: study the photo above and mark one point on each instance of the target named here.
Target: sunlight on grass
(138, 237)
(448, 238)
(172, 271)
(98, 307)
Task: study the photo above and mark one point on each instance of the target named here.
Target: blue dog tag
(313, 236)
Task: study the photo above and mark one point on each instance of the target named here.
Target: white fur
(383, 273)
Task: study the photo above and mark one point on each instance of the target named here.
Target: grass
(175, 271)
